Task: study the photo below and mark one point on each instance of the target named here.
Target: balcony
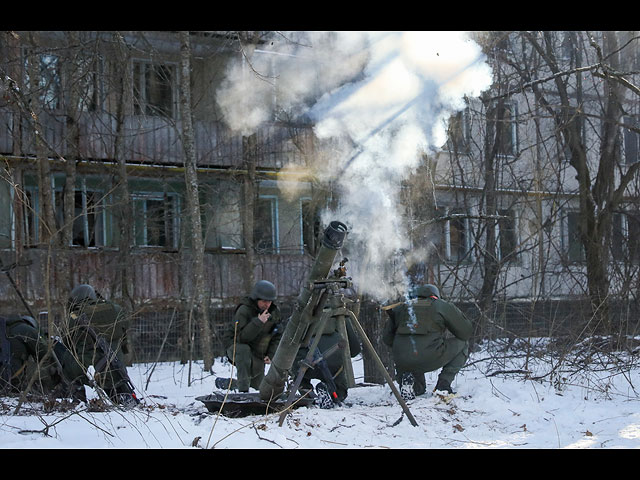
(152, 140)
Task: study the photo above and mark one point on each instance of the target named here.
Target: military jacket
(246, 327)
(109, 321)
(26, 347)
(105, 317)
(426, 316)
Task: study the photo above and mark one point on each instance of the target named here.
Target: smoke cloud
(379, 101)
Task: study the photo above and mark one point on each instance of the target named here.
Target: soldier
(97, 335)
(22, 348)
(252, 338)
(335, 363)
(418, 332)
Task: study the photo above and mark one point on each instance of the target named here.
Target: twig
(504, 372)
(265, 439)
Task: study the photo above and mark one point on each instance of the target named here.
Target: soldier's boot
(323, 397)
(406, 386)
(443, 386)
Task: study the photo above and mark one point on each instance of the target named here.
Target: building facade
(92, 130)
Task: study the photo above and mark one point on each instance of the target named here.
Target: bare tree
(600, 193)
(198, 298)
(37, 93)
(124, 208)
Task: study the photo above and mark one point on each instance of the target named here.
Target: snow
(567, 408)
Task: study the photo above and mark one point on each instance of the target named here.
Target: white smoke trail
(384, 99)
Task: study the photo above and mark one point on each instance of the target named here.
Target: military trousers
(419, 354)
(249, 367)
(334, 363)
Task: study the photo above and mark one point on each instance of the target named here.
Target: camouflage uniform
(247, 341)
(25, 348)
(109, 321)
(330, 337)
(426, 334)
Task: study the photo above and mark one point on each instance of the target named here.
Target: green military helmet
(425, 291)
(263, 290)
(81, 293)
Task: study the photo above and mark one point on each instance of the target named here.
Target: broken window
(155, 220)
(153, 89)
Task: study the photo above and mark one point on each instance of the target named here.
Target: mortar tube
(272, 384)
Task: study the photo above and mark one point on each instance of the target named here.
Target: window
(223, 215)
(265, 225)
(30, 213)
(90, 86)
(6, 217)
(633, 232)
(502, 128)
(153, 89)
(507, 236)
(625, 229)
(573, 245)
(309, 226)
(459, 132)
(619, 235)
(156, 219)
(88, 218)
(631, 139)
(454, 241)
(48, 81)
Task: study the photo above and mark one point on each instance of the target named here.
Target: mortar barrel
(273, 383)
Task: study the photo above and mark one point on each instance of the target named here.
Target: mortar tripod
(337, 308)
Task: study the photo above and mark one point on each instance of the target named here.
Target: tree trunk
(198, 299)
(47, 225)
(122, 199)
(250, 193)
(489, 255)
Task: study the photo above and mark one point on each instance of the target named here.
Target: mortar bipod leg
(383, 370)
(319, 327)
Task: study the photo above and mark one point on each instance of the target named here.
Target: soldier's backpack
(20, 362)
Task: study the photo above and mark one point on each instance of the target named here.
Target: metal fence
(159, 335)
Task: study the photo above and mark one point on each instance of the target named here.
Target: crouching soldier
(96, 334)
(425, 334)
(28, 362)
(251, 340)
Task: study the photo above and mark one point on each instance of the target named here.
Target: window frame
(99, 230)
(460, 130)
(571, 240)
(221, 197)
(308, 222)
(631, 139)
(512, 121)
(275, 243)
(501, 232)
(445, 248)
(174, 219)
(140, 93)
(49, 88)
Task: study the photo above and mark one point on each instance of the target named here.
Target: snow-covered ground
(576, 408)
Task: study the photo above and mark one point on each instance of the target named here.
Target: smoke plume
(379, 101)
